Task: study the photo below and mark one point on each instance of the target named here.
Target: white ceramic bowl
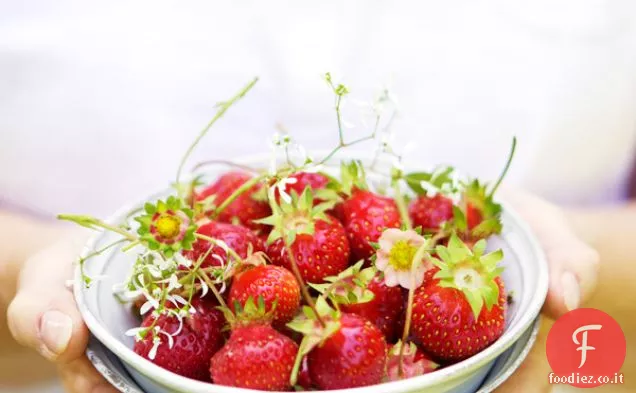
(525, 275)
(507, 363)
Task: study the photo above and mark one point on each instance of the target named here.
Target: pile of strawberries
(292, 278)
(310, 245)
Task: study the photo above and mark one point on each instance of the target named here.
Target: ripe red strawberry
(385, 310)
(255, 357)
(273, 284)
(461, 308)
(200, 337)
(315, 181)
(355, 355)
(317, 241)
(238, 238)
(365, 216)
(304, 379)
(414, 362)
(473, 216)
(244, 209)
(430, 213)
(318, 255)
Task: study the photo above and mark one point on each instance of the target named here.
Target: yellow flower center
(401, 255)
(168, 226)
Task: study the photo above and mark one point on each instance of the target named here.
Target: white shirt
(99, 101)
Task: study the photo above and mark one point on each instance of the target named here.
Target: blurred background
(98, 100)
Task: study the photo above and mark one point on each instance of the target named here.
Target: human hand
(573, 274)
(43, 316)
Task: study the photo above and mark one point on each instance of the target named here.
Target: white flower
(156, 341)
(395, 258)
(182, 261)
(147, 306)
(135, 332)
(204, 287)
(430, 189)
(170, 336)
(154, 271)
(218, 258)
(281, 186)
(176, 300)
(297, 154)
(173, 283)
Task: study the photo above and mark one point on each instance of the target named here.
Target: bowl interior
(525, 278)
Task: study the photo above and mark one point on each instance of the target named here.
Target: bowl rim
(174, 381)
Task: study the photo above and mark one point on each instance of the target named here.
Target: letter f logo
(583, 344)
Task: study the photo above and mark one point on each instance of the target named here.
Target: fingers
(532, 376)
(43, 315)
(79, 376)
(573, 276)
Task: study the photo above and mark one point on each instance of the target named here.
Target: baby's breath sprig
(340, 92)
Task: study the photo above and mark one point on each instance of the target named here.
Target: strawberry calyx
(314, 332)
(352, 177)
(470, 271)
(412, 364)
(295, 218)
(167, 226)
(482, 215)
(349, 286)
(253, 312)
(442, 179)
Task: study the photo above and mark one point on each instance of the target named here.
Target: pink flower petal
(388, 238)
(382, 260)
(404, 278)
(413, 238)
(390, 277)
(419, 273)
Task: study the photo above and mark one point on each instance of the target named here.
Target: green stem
(301, 283)
(82, 260)
(222, 108)
(419, 254)
(338, 115)
(344, 145)
(212, 288)
(505, 170)
(92, 222)
(130, 245)
(243, 188)
(401, 204)
(227, 163)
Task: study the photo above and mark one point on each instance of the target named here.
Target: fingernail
(571, 291)
(55, 332)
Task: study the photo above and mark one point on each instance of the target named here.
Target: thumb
(43, 315)
(573, 275)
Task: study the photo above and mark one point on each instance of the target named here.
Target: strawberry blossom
(396, 255)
